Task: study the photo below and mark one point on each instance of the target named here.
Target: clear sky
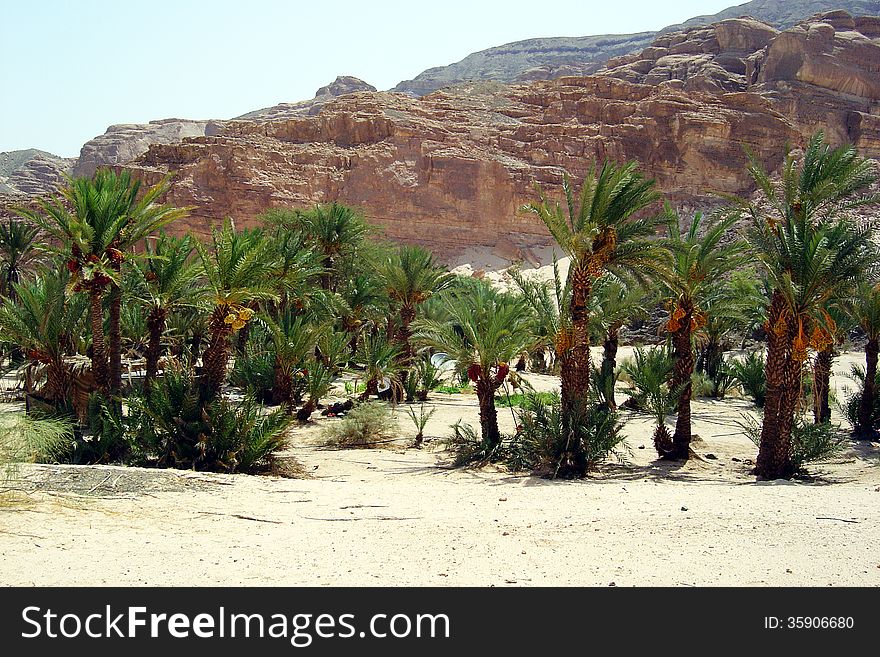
(70, 68)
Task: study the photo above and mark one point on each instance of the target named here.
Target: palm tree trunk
(488, 414)
(56, 382)
(114, 337)
(609, 364)
(864, 428)
(99, 350)
(282, 386)
(216, 356)
(156, 327)
(821, 384)
(774, 449)
(576, 373)
(372, 388)
(306, 411)
(241, 339)
(713, 357)
(662, 440)
(404, 333)
(681, 379)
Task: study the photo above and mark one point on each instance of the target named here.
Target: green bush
(428, 376)
(366, 425)
(105, 438)
(853, 400)
(419, 420)
(521, 400)
(255, 372)
(171, 427)
(749, 373)
(702, 385)
(648, 373)
(34, 439)
(452, 390)
(469, 448)
(543, 442)
(810, 443)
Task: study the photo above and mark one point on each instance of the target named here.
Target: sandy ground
(399, 516)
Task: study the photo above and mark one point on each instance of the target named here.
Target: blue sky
(70, 68)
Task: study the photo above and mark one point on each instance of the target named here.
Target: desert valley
(597, 311)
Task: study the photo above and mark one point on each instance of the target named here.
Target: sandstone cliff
(451, 169)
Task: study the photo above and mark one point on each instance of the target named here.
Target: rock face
(342, 85)
(544, 59)
(32, 172)
(824, 71)
(534, 59)
(452, 169)
(123, 143)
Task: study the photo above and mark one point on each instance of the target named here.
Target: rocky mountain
(451, 169)
(123, 143)
(544, 59)
(32, 172)
(533, 59)
(344, 84)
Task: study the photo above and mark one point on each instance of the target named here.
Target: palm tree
(365, 301)
(548, 312)
(106, 220)
(699, 262)
(733, 304)
(615, 303)
(410, 277)
(338, 231)
(238, 270)
(599, 233)
(44, 322)
(485, 330)
(19, 250)
(823, 361)
(294, 337)
(867, 311)
(168, 280)
(381, 358)
(811, 256)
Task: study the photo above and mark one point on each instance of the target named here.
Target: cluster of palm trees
(306, 295)
(803, 232)
(92, 275)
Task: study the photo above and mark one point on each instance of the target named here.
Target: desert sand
(401, 516)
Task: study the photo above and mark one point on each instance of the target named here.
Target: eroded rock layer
(451, 169)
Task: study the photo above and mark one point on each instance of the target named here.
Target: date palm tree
(600, 232)
(547, 303)
(615, 303)
(294, 337)
(19, 251)
(484, 331)
(381, 360)
(735, 304)
(337, 231)
(812, 254)
(95, 221)
(238, 270)
(866, 310)
(168, 282)
(44, 322)
(823, 361)
(700, 260)
(411, 277)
